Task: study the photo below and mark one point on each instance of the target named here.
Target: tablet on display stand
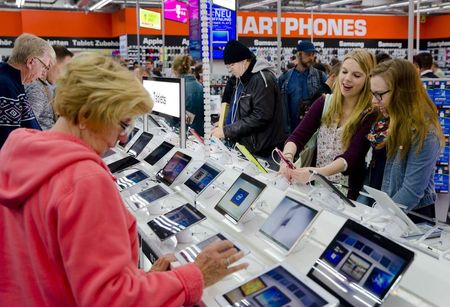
(176, 222)
(288, 223)
(404, 226)
(360, 266)
(200, 180)
(150, 199)
(279, 285)
(237, 201)
(173, 168)
(158, 153)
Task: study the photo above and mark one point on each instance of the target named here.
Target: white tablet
(385, 202)
(189, 254)
(239, 197)
(277, 286)
(288, 223)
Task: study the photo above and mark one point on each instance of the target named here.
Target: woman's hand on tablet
(215, 261)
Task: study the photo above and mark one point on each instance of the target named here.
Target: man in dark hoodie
(255, 114)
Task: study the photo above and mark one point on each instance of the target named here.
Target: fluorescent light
(257, 4)
(407, 3)
(430, 9)
(99, 5)
(335, 3)
(20, 3)
(374, 8)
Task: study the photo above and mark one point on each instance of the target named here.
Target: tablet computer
(277, 286)
(158, 153)
(239, 197)
(360, 267)
(189, 254)
(147, 197)
(202, 178)
(140, 144)
(131, 179)
(122, 164)
(288, 222)
(323, 181)
(250, 157)
(392, 209)
(175, 221)
(173, 168)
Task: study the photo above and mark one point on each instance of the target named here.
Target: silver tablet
(288, 223)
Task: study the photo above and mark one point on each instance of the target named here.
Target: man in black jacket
(255, 114)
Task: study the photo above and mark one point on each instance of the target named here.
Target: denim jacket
(410, 182)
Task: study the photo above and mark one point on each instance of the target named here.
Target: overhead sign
(223, 29)
(264, 24)
(175, 10)
(149, 19)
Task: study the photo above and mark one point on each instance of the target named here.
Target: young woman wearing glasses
(409, 135)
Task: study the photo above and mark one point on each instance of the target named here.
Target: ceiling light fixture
(257, 4)
(335, 3)
(407, 3)
(430, 9)
(99, 5)
(374, 8)
(20, 3)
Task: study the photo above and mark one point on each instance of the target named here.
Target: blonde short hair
(99, 90)
(29, 45)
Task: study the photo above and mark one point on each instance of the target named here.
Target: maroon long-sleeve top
(354, 155)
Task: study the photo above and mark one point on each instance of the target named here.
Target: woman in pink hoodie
(66, 237)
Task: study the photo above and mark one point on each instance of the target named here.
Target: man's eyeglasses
(43, 64)
(126, 127)
(379, 96)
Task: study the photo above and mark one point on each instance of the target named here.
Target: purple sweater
(355, 153)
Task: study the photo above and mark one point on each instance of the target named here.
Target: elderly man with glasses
(31, 57)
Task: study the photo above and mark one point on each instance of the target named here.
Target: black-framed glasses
(379, 96)
(127, 127)
(43, 64)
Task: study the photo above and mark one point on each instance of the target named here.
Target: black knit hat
(236, 52)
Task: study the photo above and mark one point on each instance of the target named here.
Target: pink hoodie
(66, 237)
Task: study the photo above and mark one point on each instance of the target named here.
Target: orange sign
(263, 24)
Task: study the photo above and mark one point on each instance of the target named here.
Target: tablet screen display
(202, 178)
(241, 195)
(175, 221)
(158, 153)
(277, 287)
(173, 168)
(120, 165)
(148, 196)
(360, 266)
(140, 144)
(131, 179)
(288, 222)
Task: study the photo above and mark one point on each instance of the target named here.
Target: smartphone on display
(196, 135)
(283, 158)
(174, 221)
